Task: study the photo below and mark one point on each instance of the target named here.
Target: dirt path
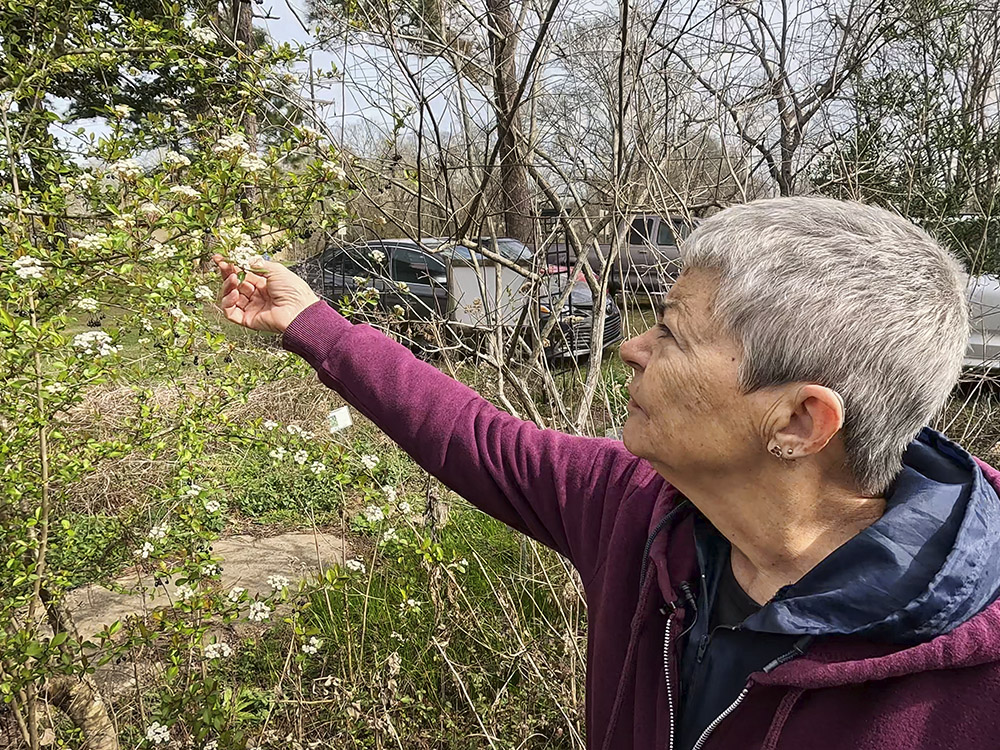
(246, 562)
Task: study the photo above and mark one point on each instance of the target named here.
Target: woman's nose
(633, 353)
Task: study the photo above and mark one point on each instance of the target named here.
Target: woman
(781, 554)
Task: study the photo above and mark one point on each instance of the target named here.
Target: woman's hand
(267, 300)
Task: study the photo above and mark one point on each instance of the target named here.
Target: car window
(514, 250)
(681, 230)
(415, 267)
(665, 234)
(640, 231)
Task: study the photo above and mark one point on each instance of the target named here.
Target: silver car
(984, 315)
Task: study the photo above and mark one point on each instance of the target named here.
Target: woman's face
(686, 413)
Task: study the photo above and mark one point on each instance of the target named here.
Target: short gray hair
(849, 296)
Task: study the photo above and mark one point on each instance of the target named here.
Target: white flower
(278, 583)
(185, 193)
(54, 388)
(269, 424)
(170, 102)
(175, 159)
(193, 491)
(235, 593)
(126, 169)
(90, 242)
(389, 535)
(178, 315)
(150, 211)
(404, 507)
(377, 255)
(355, 566)
(28, 267)
(309, 134)
(157, 733)
(164, 284)
(211, 569)
(244, 256)
(277, 454)
(121, 110)
(371, 290)
(293, 429)
(94, 343)
(185, 592)
(87, 304)
(373, 514)
(202, 292)
(358, 280)
(390, 492)
(369, 462)
(258, 612)
(336, 171)
(212, 506)
(402, 286)
(398, 310)
(143, 341)
(300, 457)
(232, 145)
(218, 651)
(203, 35)
(159, 251)
(252, 163)
(159, 531)
(317, 467)
(144, 551)
(313, 646)
(410, 605)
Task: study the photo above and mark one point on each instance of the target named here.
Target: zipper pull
(703, 647)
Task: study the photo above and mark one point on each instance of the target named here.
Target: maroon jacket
(598, 505)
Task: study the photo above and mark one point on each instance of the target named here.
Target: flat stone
(247, 562)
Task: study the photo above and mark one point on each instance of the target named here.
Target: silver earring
(776, 451)
(789, 451)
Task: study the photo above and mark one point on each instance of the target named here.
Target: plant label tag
(340, 419)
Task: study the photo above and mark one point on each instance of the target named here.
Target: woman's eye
(664, 331)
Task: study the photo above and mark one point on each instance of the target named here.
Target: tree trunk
(515, 196)
(79, 699)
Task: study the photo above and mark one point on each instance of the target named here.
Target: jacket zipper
(666, 675)
(798, 649)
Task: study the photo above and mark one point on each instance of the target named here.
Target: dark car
(406, 273)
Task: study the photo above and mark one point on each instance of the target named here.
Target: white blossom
(293, 429)
(123, 222)
(369, 462)
(157, 733)
(252, 163)
(175, 159)
(185, 193)
(159, 251)
(317, 467)
(212, 506)
(203, 35)
(90, 242)
(377, 255)
(126, 169)
(211, 569)
(185, 592)
(277, 454)
(218, 651)
(269, 424)
(404, 507)
(258, 612)
(170, 102)
(87, 304)
(193, 491)
(150, 211)
(177, 314)
(312, 646)
(232, 145)
(336, 171)
(94, 343)
(145, 550)
(277, 582)
(28, 267)
(358, 280)
(373, 514)
(54, 388)
(403, 287)
(159, 531)
(300, 457)
(121, 110)
(410, 605)
(398, 310)
(355, 566)
(235, 593)
(164, 284)
(389, 535)
(390, 492)
(211, 745)
(244, 256)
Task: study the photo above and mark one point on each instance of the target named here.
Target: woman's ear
(816, 415)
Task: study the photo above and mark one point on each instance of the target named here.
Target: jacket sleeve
(561, 490)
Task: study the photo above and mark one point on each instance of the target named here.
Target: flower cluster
(355, 566)
(377, 255)
(218, 651)
(410, 605)
(159, 531)
(145, 550)
(278, 583)
(28, 267)
(87, 304)
(185, 592)
(121, 110)
(369, 462)
(258, 612)
(90, 242)
(150, 211)
(317, 467)
(94, 343)
(235, 593)
(244, 256)
(175, 159)
(212, 506)
(203, 35)
(294, 429)
(232, 145)
(159, 251)
(126, 169)
(157, 733)
(252, 163)
(373, 514)
(185, 193)
(312, 646)
(269, 424)
(277, 454)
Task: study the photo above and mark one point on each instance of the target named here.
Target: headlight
(544, 310)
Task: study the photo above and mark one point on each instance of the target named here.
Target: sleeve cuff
(314, 332)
